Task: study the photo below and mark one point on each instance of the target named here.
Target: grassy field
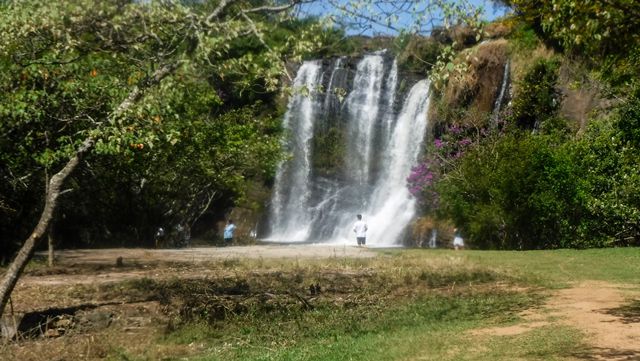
(400, 305)
(416, 305)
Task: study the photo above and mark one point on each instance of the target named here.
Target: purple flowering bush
(441, 157)
(421, 183)
(453, 142)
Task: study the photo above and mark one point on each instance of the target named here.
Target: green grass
(555, 268)
(403, 305)
(375, 332)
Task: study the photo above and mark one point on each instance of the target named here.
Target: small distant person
(186, 235)
(178, 241)
(228, 232)
(360, 228)
(458, 242)
(158, 237)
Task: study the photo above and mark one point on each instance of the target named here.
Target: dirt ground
(141, 262)
(203, 254)
(604, 312)
(599, 309)
(94, 267)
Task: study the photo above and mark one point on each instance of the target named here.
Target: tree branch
(22, 258)
(275, 9)
(216, 12)
(258, 34)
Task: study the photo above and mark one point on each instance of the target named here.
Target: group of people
(179, 236)
(360, 228)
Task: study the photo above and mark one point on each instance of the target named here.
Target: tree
(60, 51)
(516, 191)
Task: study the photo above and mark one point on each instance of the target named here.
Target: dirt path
(99, 265)
(203, 254)
(604, 312)
(599, 310)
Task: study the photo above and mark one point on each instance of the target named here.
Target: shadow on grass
(602, 353)
(629, 313)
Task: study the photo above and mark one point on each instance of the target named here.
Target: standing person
(360, 228)
(158, 237)
(185, 235)
(458, 242)
(228, 232)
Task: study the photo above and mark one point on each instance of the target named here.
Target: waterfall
(392, 207)
(380, 144)
(363, 104)
(433, 238)
(331, 100)
(503, 91)
(292, 185)
(391, 84)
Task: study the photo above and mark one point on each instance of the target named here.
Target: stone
(52, 332)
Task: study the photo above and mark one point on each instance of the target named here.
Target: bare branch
(258, 34)
(275, 9)
(216, 12)
(362, 16)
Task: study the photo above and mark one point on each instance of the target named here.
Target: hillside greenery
(529, 177)
(536, 177)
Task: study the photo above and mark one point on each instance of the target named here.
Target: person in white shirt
(458, 242)
(360, 228)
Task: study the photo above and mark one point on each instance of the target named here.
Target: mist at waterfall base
(382, 131)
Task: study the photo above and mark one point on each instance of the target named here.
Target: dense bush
(538, 98)
(609, 158)
(526, 190)
(518, 192)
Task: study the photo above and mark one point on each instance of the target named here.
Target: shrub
(537, 99)
(518, 192)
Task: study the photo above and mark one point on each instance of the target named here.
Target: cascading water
(433, 238)
(363, 107)
(380, 144)
(392, 207)
(503, 92)
(289, 213)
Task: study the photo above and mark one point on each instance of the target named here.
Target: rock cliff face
(482, 90)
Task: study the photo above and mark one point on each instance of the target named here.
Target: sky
(375, 21)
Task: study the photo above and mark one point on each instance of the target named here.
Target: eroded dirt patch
(608, 315)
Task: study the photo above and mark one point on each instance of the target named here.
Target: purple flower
(455, 129)
(438, 143)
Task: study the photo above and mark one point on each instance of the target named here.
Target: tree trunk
(22, 258)
(50, 254)
(50, 233)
